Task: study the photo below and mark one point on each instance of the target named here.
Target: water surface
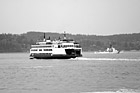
(92, 73)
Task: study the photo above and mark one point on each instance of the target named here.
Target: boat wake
(106, 59)
(118, 91)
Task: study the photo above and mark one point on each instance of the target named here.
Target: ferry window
(78, 46)
(71, 45)
(34, 50)
(50, 49)
(40, 49)
(48, 46)
(47, 49)
(58, 46)
(40, 46)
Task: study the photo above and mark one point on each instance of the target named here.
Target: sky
(91, 17)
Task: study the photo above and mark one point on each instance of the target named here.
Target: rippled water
(92, 73)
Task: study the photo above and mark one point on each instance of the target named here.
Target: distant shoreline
(21, 43)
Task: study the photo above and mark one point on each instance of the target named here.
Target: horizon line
(70, 33)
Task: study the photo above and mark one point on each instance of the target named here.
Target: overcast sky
(96, 17)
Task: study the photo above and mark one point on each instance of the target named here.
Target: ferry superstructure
(56, 49)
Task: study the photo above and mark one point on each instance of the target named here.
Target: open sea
(92, 73)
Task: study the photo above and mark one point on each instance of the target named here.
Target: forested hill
(22, 42)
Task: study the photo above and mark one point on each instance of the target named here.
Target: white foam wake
(118, 91)
(106, 59)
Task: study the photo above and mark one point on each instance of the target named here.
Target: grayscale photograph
(69, 46)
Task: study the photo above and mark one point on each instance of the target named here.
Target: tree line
(22, 42)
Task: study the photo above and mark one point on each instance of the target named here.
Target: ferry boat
(110, 50)
(56, 49)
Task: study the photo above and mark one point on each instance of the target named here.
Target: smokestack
(44, 37)
(65, 35)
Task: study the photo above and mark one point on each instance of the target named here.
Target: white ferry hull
(56, 53)
(55, 56)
